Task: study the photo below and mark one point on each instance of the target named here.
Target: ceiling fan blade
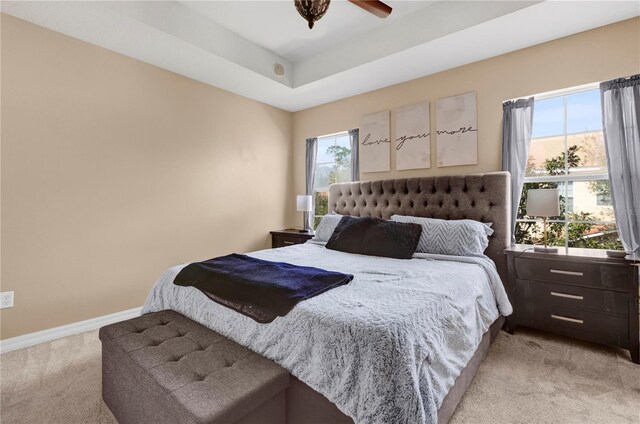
(376, 7)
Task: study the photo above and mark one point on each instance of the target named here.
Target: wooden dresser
(579, 293)
(288, 237)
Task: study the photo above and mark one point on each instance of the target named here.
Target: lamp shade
(543, 202)
(304, 203)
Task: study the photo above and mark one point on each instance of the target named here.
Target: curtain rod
(562, 92)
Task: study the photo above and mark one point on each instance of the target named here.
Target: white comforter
(384, 348)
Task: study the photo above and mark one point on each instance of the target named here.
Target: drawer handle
(567, 296)
(288, 243)
(561, 318)
(559, 271)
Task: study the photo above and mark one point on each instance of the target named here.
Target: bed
(341, 345)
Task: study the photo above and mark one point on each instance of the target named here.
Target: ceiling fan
(312, 10)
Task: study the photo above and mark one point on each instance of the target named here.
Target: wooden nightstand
(581, 293)
(288, 237)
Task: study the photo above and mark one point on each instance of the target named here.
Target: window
(567, 152)
(333, 165)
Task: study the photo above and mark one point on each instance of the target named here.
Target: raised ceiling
(277, 26)
(235, 44)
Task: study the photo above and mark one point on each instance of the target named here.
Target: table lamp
(304, 204)
(544, 202)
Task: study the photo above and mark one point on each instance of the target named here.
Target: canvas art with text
(457, 130)
(375, 143)
(413, 138)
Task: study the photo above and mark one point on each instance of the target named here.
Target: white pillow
(460, 237)
(326, 228)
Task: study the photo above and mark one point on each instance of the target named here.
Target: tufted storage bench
(165, 368)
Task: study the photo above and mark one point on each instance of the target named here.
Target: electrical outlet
(6, 299)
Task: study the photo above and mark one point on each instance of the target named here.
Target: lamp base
(542, 249)
(306, 225)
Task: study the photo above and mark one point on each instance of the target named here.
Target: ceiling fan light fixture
(311, 10)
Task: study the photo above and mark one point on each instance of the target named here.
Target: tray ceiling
(234, 45)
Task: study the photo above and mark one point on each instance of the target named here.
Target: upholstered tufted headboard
(481, 197)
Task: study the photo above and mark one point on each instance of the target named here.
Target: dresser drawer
(579, 323)
(284, 241)
(561, 295)
(614, 277)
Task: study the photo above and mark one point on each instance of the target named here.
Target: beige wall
(600, 54)
(114, 170)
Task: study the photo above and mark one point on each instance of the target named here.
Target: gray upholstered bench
(165, 368)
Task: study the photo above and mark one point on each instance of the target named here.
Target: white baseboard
(66, 330)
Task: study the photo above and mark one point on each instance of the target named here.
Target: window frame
(318, 164)
(566, 178)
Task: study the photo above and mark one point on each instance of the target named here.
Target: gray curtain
(620, 122)
(354, 136)
(310, 160)
(517, 120)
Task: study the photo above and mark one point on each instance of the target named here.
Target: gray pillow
(460, 237)
(326, 228)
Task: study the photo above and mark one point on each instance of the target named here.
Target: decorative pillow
(326, 227)
(461, 237)
(375, 237)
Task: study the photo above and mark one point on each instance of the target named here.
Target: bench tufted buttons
(473, 203)
(456, 203)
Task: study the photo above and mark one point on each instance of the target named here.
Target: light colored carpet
(531, 377)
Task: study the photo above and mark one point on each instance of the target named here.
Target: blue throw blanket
(259, 289)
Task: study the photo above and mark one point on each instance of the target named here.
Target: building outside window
(333, 165)
(567, 152)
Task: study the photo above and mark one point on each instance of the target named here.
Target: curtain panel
(310, 161)
(517, 120)
(354, 136)
(620, 122)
